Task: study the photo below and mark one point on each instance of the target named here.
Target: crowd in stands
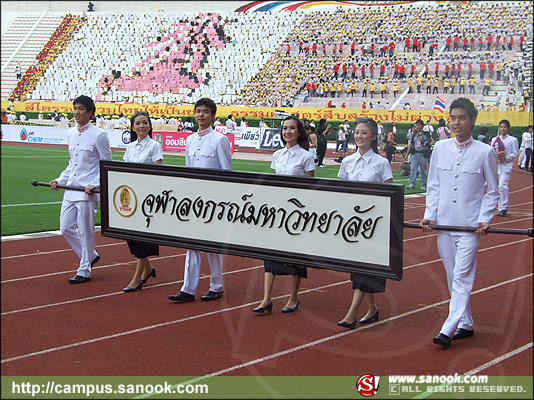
(167, 58)
(369, 54)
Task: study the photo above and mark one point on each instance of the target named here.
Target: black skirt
(285, 269)
(368, 284)
(142, 250)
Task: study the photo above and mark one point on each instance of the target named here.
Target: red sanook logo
(367, 385)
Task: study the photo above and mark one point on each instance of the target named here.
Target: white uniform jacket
(208, 149)
(86, 149)
(456, 182)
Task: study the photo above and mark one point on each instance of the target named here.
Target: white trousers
(458, 252)
(504, 170)
(193, 262)
(77, 224)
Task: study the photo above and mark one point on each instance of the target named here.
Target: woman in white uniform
(366, 165)
(293, 159)
(142, 149)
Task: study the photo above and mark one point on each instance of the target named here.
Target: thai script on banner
(350, 114)
(176, 141)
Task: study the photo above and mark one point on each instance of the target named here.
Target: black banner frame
(394, 191)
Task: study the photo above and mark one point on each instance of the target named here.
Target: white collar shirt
(208, 149)
(293, 161)
(370, 167)
(145, 152)
(457, 180)
(526, 142)
(86, 149)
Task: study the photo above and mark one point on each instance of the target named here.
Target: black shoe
(291, 309)
(442, 340)
(502, 213)
(268, 308)
(129, 289)
(366, 320)
(347, 325)
(182, 297)
(152, 274)
(462, 333)
(97, 259)
(212, 295)
(79, 279)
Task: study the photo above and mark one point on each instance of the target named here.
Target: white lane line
(121, 292)
(262, 359)
(203, 277)
(482, 367)
(58, 251)
(31, 204)
(99, 267)
(499, 359)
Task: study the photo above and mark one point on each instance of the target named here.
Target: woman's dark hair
(303, 140)
(322, 122)
(133, 135)
(484, 130)
(441, 122)
(373, 127)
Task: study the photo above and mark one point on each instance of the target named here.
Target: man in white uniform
(459, 170)
(511, 146)
(204, 149)
(87, 146)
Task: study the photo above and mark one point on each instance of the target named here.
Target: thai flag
(439, 104)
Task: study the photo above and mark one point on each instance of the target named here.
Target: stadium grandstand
(272, 54)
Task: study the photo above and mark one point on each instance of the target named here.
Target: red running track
(52, 328)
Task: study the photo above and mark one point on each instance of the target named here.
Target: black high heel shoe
(291, 309)
(129, 289)
(347, 325)
(268, 308)
(152, 274)
(366, 320)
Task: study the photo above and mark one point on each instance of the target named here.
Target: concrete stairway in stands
(41, 28)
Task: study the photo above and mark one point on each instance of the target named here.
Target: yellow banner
(339, 114)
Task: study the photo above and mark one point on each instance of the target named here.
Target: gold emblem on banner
(125, 200)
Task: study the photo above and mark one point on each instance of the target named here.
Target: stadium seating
(242, 58)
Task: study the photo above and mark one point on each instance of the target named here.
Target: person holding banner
(293, 159)
(87, 146)
(507, 148)
(460, 170)
(366, 165)
(206, 148)
(142, 149)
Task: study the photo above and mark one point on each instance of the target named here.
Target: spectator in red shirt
(490, 69)
(490, 42)
(447, 44)
(482, 69)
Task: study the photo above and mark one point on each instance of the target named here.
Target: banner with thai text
(324, 223)
(341, 114)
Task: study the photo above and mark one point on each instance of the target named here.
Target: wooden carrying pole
(37, 183)
(528, 232)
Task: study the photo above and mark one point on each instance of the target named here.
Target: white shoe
(411, 187)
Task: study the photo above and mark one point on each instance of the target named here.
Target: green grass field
(26, 208)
